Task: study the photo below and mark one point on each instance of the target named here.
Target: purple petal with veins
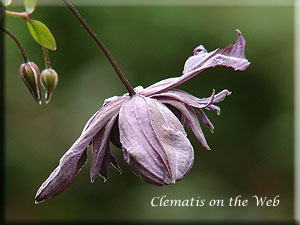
(205, 120)
(102, 154)
(113, 100)
(75, 157)
(232, 56)
(191, 118)
(155, 143)
(193, 101)
(214, 108)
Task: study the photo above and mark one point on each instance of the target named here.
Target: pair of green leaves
(39, 31)
(29, 4)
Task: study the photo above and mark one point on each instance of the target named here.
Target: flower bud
(49, 80)
(30, 74)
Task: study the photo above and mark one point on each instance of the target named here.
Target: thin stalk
(102, 46)
(23, 15)
(22, 50)
(46, 58)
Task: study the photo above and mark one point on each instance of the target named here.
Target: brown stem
(102, 46)
(23, 15)
(46, 58)
(17, 42)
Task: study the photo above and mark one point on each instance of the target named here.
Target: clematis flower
(148, 127)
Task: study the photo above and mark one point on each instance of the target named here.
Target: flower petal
(191, 118)
(177, 113)
(115, 135)
(155, 146)
(75, 157)
(111, 100)
(191, 100)
(159, 86)
(219, 97)
(102, 154)
(205, 120)
(63, 175)
(214, 108)
(199, 104)
(232, 56)
(107, 160)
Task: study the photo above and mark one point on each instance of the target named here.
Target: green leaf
(6, 2)
(30, 5)
(41, 34)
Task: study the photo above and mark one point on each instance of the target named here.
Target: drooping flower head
(148, 127)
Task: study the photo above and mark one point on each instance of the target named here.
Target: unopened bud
(49, 80)
(30, 74)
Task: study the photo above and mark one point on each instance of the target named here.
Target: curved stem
(46, 58)
(22, 50)
(23, 15)
(103, 47)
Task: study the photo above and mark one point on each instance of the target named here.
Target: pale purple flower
(148, 127)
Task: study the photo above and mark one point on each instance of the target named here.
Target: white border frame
(165, 2)
(297, 110)
(278, 3)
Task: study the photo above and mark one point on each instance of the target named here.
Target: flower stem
(23, 15)
(22, 50)
(103, 47)
(46, 58)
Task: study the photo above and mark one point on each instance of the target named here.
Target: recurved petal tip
(232, 56)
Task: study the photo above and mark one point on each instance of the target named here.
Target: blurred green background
(252, 147)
